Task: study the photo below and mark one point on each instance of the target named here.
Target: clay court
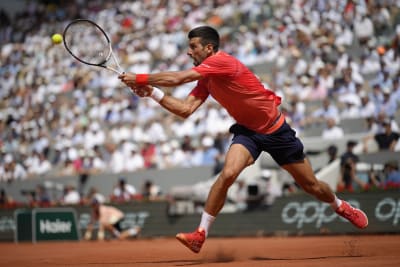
(343, 251)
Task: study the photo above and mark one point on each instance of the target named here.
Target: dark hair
(207, 34)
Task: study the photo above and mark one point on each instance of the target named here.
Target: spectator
(367, 107)
(116, 163)
(11, 170)
(123, 192)
(328, 110)
(332, 131)
(94, 194)
(348, 171)
(392, 175)
(380, 120)
(364, 28)
(371, 126)
(332, 153)
(134, 161)
(149, 154)
(151, 191)
(71, 196)
(388, 105)
(5, 200)
(386, 140)
(40, 197)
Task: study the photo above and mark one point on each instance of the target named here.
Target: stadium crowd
(60, 117)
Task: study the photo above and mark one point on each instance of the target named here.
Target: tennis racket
(88, 43)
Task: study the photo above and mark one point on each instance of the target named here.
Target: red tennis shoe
(356, 216)
(194, 240)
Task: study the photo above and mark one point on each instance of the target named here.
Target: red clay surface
(327, 251)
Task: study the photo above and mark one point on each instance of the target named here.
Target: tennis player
(260, 126)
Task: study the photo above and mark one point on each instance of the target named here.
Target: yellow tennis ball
(57, 38)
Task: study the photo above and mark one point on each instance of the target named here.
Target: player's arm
(166, 79)
(180, 107)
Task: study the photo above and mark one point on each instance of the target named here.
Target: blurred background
(69, 132)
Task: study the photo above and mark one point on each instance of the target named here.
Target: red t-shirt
(239, 91)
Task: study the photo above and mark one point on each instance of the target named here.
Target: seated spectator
(41, 165)
(367, 107)
(123, 192)
(134, 160)
(11, 170)
(93, 194)
(392, 175)
(328, 110)
(380, 120)
(40, 197)
(332, 151)
(5, 200)
(149, 154)
(71, 196)
(389, 104)
(386, 140)
(151, 191)
(348, 177)
(332, 131)
(371, 127)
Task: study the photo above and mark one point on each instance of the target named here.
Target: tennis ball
(56, 38)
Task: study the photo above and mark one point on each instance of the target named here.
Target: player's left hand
(142, 90)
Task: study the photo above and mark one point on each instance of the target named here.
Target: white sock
(116, 233)
(133, 231)
(206, 221)
(336, 203)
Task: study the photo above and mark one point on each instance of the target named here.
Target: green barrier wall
(295, 215)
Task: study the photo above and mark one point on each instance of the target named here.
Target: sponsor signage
(46, 224)
(294, 215)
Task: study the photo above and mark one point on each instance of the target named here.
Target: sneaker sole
(182, 239)
(365, 226)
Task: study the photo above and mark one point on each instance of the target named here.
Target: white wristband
(157, 94)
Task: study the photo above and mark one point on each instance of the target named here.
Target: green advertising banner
(54, 224)
(42, 224)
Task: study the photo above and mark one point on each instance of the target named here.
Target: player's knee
(228, 177)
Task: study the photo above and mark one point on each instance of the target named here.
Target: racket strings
(87, 43)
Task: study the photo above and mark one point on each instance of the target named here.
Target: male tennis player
(260, 125)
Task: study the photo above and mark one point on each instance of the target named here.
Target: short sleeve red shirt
(238, 90)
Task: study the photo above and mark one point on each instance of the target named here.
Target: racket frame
(117, 70)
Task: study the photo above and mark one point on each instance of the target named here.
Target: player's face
(197, 51)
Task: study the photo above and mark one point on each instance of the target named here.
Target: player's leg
(113, 229)
(303, 174)
(237, 158)
(132, 232)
